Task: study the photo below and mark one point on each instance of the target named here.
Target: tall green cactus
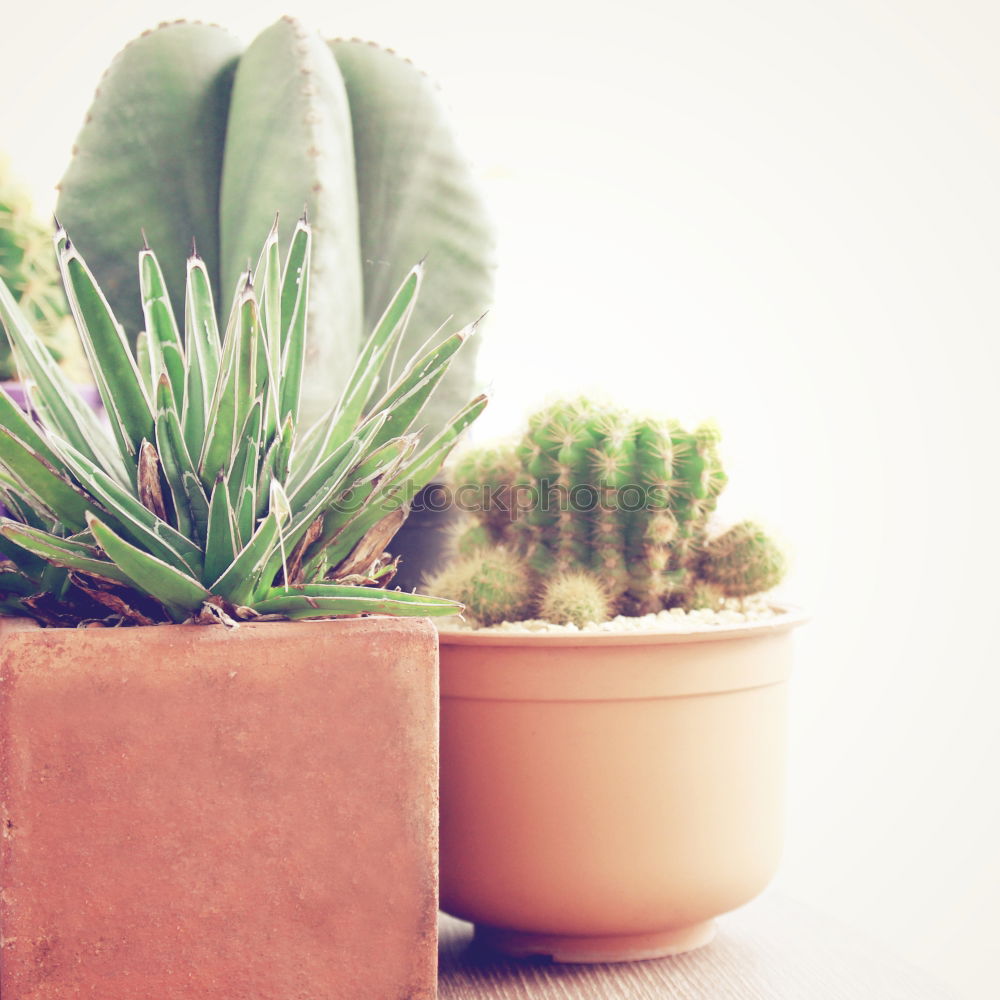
(627, 500)
(192, 137)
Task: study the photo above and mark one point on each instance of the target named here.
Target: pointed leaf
(221, 545)
(189, 500)
(331, 600)
(63, 552)
(50, 490)
(201, 335)
(232, 399)
(131, 517)
(166, 351)
(54, 397)
(111, 362)
(179, 593)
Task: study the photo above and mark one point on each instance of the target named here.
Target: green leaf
(190, 502)
(46, 487)
(290, 120)
(201, 335)
(179, 593)
(57, 402)
(243, 576)
(406, 398)
(237, 378)
(275, 463)
(368, 367)
(294, 309)
(150, 156)
(417, 196)
(166, 351)
(131, 517)
(242, 466)
(270, 343)
(63, 552)
(221, 545)
(348, 505)
(400, 488)
(334, 428)
(330, 600)
(17, 422)
(111, 362)
(143, 361)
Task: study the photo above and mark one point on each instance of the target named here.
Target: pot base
(597, 948)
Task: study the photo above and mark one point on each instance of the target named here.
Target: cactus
(626, 500)
(470, 536)
(190, 136)
(703, 595)
(28, 268)
(482, 480)
(495, 585)
(622, 497)
(574, 598)
(743, 561)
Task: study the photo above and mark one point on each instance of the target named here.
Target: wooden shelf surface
(773, 949)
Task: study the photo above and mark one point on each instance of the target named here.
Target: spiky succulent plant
(204, 502)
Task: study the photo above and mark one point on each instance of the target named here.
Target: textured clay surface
(191, 813)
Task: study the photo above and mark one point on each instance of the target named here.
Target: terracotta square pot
(196, 812)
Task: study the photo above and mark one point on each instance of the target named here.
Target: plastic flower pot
(604, 797)
(203, 812)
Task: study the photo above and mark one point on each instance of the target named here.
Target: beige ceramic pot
(604, 797)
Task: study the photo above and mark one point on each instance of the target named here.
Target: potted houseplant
(244, 809)
(228, 133)
(608, 785)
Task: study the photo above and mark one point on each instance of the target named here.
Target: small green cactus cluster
(610, 514)
(574, 598)
(496, 585)
(28, 267)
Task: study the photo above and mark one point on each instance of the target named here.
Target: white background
(785, 215)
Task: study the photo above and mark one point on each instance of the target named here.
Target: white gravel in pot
(735, 612)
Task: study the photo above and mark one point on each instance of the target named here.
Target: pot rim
(787, 617)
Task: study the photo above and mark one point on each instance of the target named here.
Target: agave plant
(203, 503)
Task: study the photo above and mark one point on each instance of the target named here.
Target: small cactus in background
(592, 492)
(743, 561)
(28, 267)
(485, 477)
(575, 598)
(496, 585)
(624, 498)
(471, 536)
